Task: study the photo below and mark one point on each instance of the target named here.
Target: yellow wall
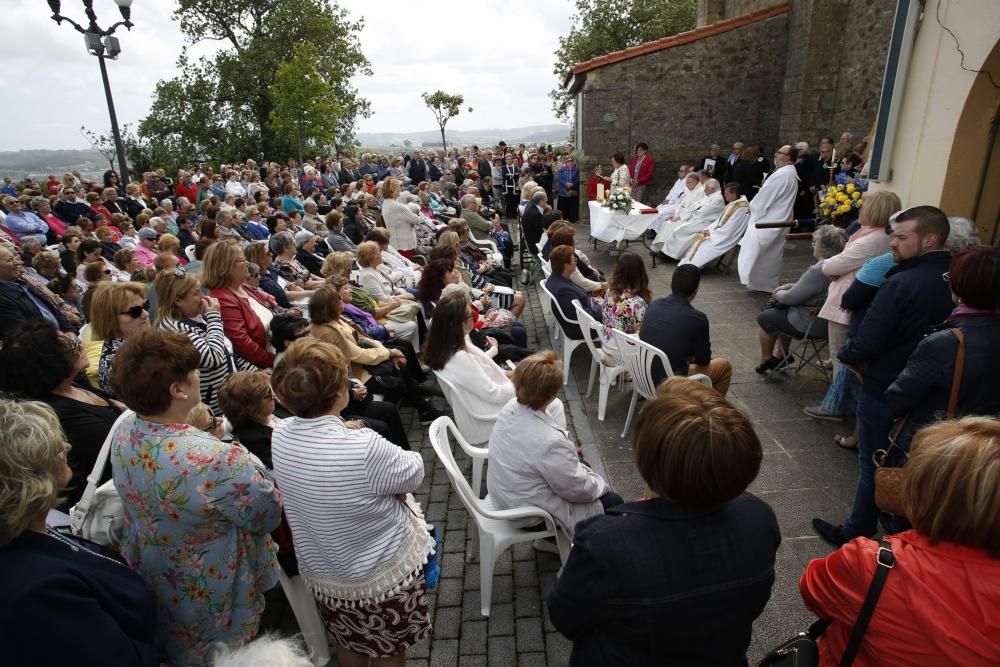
(935, 94)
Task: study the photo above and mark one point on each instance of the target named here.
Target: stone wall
(683, 99)
(710, 11)
(835, 64)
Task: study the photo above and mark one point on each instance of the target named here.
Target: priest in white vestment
(677, 236)
(722, 235)
(684, 210)
(667, 208)
(761, 250)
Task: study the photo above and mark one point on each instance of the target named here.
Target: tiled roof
(681, 38)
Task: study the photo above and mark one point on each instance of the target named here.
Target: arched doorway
(972, 179)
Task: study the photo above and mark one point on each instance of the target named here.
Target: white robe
(685, 209)
(668, 207)
(679, 235)
(723, 234)
(761, 250)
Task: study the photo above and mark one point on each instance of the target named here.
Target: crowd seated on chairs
(399, 261)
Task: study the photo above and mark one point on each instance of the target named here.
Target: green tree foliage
(444, 107)
(305, 106)
(605, 26)
(220, 109)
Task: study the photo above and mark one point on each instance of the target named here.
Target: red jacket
(940, 604)
(190, 191)
(592, 186)
(243, 328)
(645, 176)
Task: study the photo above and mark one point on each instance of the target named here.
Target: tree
(445, 107)
(303, 103)
(103, 143)
(407, 143)
(221, 109)
(605, 26)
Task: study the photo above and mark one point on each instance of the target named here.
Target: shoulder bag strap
(884, 561)
(956, 381)
(79, 512)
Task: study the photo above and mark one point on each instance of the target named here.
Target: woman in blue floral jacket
(197, 510)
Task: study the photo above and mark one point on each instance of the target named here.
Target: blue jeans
(874, 425)
(842, 396)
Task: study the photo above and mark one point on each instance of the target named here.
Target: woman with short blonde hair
(944, 572)
(244, 319)
(100, 598)
(117, 312)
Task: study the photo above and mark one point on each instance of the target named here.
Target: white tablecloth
(613, 227)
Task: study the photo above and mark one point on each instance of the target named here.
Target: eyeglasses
(135, 312)
(179, 272)
(75, 346)
(946, 276)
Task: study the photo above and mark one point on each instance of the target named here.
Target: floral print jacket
(197, 516)
(623, 312)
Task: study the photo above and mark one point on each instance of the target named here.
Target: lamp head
(54, 6)
(125, 7)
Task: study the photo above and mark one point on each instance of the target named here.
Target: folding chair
(810, 349)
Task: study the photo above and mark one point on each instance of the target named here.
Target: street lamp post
(98, 43)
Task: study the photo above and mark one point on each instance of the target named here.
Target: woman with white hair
(790, 312)
(284, 248)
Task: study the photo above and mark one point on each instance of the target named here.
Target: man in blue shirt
(8, 187)
(674, 326)
(19, 300)
(23, 223)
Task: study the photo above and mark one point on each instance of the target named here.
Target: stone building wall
(683, 99)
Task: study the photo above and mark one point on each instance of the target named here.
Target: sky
(53, 86)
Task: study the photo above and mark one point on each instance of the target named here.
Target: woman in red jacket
(244, 319)
(941, 601)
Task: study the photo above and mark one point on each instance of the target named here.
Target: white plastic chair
(189, 252)
(477, 454)
(568, 343)
(608, 373)
(550, 320)
(637, 357)
(494, 531)
(304, 607)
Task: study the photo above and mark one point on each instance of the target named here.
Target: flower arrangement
(843, 198)
(619, 200)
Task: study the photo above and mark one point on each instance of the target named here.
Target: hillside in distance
(533, 134)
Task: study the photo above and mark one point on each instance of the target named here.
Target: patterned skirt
(380, 629)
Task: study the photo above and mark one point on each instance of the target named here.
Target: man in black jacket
(20, 301)
(531, 221)
(913, 298)
(680, 330)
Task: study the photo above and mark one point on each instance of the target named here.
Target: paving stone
(473, 660)
(449, 592)
(444, 653)
(453, 562)
(525, 574)
(454, 541)
(447, 622)
(501, 619)
(503, 588)
(471, 582)
(523, 551)
(528, 632)
(501, 651)
(473, 639)
(436, 512)
(527, 602)
(440, 492)
(557, 649)
(410, 662)
(531, 660)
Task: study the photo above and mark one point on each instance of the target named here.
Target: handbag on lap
(99, 515)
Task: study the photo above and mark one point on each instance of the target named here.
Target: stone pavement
(803, 475)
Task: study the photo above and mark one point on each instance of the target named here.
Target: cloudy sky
(52, 86)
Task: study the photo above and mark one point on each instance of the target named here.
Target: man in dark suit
(531, 221)
(680, 330)
(347, 173)
(417, 169)
(563, 262)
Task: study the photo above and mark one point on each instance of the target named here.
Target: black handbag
(802, 650)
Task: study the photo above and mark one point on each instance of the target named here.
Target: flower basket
(840, 202)
(619, 201)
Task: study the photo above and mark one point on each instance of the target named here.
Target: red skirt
(383, 629)
(408, 254)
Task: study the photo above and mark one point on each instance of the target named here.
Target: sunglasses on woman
(135, 312)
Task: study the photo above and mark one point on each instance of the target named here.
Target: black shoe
(431, 389)
(768, 366)
(650, 234)
(835, 535)
(429, 415)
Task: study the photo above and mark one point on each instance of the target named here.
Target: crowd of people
(259, 328)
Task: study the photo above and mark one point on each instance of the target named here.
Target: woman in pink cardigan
(871, 240)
